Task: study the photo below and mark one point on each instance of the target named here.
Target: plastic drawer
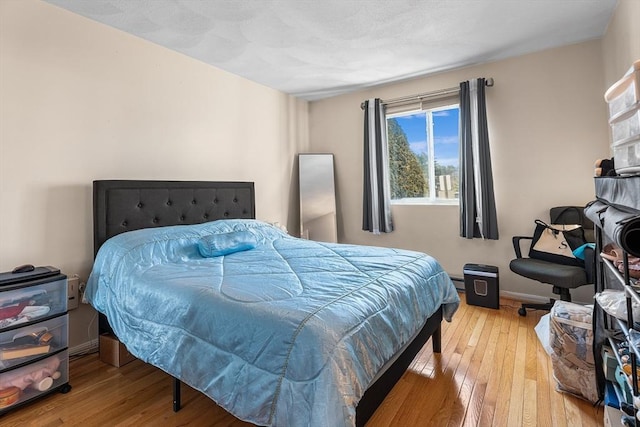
(20, 385)
(19, 346)
(625, 92)
(626, 127)
(627, 157)
(26, 302)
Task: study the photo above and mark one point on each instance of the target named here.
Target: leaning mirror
(317, 197)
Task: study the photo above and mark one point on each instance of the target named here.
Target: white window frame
(432, 199)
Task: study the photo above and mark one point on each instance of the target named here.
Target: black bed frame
(126, 205)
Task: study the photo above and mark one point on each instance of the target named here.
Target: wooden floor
(492, 372)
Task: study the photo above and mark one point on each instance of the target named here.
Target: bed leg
(437, 339)
(176, 395)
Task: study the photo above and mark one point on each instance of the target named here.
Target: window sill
(425, 202)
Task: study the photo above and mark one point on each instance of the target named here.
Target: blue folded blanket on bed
(290, 333)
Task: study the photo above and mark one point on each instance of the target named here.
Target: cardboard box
(113, 351)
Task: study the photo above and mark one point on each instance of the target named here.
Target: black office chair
(561, 277)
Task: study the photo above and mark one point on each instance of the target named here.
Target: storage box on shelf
(627, 126)
(623, 99)
(34, 359)
(625, 92)
(627, 156)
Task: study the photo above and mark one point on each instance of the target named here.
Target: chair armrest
(516, 244)
(590, 264)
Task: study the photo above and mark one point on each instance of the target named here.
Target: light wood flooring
(492, 372)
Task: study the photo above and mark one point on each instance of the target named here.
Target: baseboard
(516, 296)
(459, 285)
(458, 282)
(87, 347)
(535, 299)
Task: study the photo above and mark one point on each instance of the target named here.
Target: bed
(277, 330)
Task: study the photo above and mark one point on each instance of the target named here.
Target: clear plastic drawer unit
(626, 127)
(28, 382)
(34, 335)
(21, 304)
(22, 345)
(623, 99)
(625, 93)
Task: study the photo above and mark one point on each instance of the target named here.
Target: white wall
(547, 126)
(621, 43)
(81, 101)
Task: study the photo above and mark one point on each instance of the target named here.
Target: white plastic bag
(542, 330)
(615, 303)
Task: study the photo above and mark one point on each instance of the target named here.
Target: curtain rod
(427, 95)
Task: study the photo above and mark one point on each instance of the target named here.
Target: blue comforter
(288, 333)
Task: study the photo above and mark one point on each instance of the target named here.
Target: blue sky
(445, 125)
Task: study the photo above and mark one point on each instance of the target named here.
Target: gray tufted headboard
(124, 205)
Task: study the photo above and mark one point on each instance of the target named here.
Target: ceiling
(314, 49)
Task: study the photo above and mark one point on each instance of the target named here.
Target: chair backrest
(573, 215)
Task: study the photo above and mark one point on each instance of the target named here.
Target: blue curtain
(478, 216)
(376, 209)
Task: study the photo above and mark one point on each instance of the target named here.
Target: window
(424, 155)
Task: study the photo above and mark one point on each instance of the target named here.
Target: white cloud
(446, 140)
(448, 161)
(415, 116)
(418, 146)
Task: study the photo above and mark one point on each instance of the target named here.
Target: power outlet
(73, 294)
(81, 289)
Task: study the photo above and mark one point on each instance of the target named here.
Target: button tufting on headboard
(122, 205)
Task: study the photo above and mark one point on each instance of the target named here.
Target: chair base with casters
(564, 296)
(561, 277)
